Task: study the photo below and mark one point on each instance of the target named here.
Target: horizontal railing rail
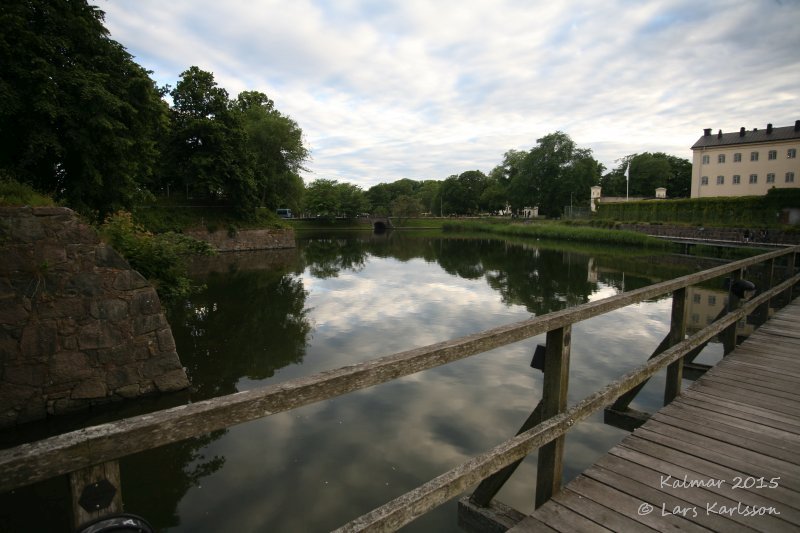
(77, 450)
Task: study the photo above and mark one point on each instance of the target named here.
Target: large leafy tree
(79, 119)
(649, 171)
(462, 194)
(552, 174)
(275, 144)
(321, 198)
(207, 151)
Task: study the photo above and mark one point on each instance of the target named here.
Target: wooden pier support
(96, 492)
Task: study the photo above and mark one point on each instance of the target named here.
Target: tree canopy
(649, 171)
(553, 174)
(80, 119)
(84, 123)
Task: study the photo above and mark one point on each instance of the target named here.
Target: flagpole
(627, 180)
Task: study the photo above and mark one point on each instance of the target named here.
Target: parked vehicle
(285, 213)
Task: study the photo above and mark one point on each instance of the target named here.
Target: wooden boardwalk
(724, 456)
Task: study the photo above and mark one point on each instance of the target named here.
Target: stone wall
(243, 240)
(78, 326)
(721, 234)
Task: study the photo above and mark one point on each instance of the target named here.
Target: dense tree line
(84, 123)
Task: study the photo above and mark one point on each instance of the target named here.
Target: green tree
(427, 195)
(79, 119)
(321, 198)
(207, 152)
(380, 198)
(554, 172)
(649, 171)
(351, 199)
(404, 207)
(275, 145)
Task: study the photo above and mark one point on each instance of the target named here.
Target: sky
(425, 89)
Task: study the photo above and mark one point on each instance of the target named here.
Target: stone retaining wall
(723, 234)
(243, 240)
(78, 326)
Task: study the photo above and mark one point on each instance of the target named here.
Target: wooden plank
(757, 371)
(775, 436)
(769, 387)
(773, 418)
(629, 506)
(683, 466)
(781, 388)
(754, 398)
(740, 438)
(779, 352)
(762, 368)
(724, 454)
(563, 519)
(530, 525)
(596, 512)
(691, 503)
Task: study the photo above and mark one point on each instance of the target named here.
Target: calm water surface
(339, 299)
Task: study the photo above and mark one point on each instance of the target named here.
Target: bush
(161, 258)
(718, 211)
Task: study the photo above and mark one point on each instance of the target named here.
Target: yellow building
(746, 163)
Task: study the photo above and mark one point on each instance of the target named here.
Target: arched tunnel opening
(379, 227)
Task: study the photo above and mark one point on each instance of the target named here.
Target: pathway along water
(344, 298)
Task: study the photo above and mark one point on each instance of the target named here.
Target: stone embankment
(720, 234)
(78, 326)
(245, 240)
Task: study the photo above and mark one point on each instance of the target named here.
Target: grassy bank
(172, 214)
(561, 232)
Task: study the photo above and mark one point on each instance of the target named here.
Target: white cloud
(386, 90)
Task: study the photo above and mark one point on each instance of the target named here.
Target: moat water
(342, 298)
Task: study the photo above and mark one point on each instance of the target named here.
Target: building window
(753, 178)
(753, 156)
(772, 155)
(791, 153)
(737, 158)
(705, 159)
(736, 179)
(770, 178)
(790, 177)
(704, 180)
(696, 298)
(712, 300)
(720, 180)
(721, 158)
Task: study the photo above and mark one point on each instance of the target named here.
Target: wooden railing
(90, 454)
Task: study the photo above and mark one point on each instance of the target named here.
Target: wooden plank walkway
(724, 456)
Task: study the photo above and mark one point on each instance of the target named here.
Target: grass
(561, 232)
(13, 193)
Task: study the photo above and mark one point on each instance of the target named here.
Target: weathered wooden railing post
(96, 492)
(728, 335)
(677, 330)
(554, 402)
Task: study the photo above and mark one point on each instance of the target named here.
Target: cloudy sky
(386, 89)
